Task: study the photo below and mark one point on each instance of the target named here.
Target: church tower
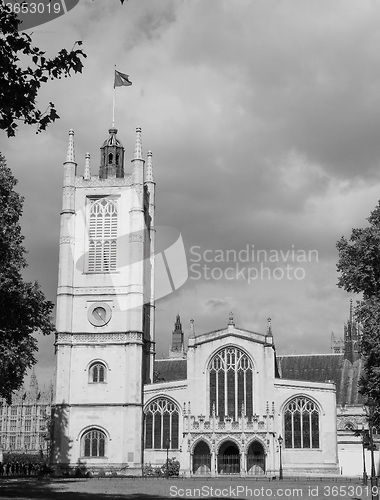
(177, 349)
(105, 310)
(351, 338)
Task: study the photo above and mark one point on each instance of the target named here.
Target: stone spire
(87, 169)
(351, 337)
(70, 156)
(33, 379)
(33, 386)
(351, 312)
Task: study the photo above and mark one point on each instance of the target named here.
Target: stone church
(223, 404)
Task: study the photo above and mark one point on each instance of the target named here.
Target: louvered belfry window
(231, 383)
(102, 235)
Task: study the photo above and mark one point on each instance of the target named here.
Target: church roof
(112, 139)
(323, 368)
(168, 370)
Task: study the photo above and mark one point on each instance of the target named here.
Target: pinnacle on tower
(192, 329)
(87, 169)
(231, 319)
(269, 327)
(138, 145)
(70, 156)
(149, 168)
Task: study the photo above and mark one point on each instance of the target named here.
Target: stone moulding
(96, 182)
(79, 338)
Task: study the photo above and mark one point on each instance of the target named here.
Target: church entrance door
(256, 459)
(202, 459)
(228, 459)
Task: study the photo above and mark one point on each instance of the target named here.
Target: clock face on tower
(99, 314)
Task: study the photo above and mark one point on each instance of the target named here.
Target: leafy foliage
(359, 267)
(23, 307)
(169, 469)
(24, 69)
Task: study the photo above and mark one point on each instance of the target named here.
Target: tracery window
(102, 235)
(93, 443)
(301, 424)
(231, 383)
(162, 425)
(97, 373)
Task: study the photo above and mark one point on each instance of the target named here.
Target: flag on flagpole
(121, 79)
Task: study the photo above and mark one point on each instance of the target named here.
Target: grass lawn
(227, 488)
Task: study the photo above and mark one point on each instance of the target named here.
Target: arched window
(102, 235)
(301, 424)
(231, 383)
(97, 373)
(161, 425)
(349, 426)
(94, 443)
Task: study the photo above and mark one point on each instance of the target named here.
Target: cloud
(262, 118)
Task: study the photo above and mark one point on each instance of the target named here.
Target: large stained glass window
(301, 424)
(162, 425)
(231, 383)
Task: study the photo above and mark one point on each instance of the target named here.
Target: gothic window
(231, 383)
(102, 235)
(27, 442)
(97, 373)
(12, 442)
(301, 424)
(162, 425)
(93, 443)
(28, 425)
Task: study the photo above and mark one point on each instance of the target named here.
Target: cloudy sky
(263, 117)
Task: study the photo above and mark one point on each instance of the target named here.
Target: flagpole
(113, 100)
(113, 107)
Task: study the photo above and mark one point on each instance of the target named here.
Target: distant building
(24, 425)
